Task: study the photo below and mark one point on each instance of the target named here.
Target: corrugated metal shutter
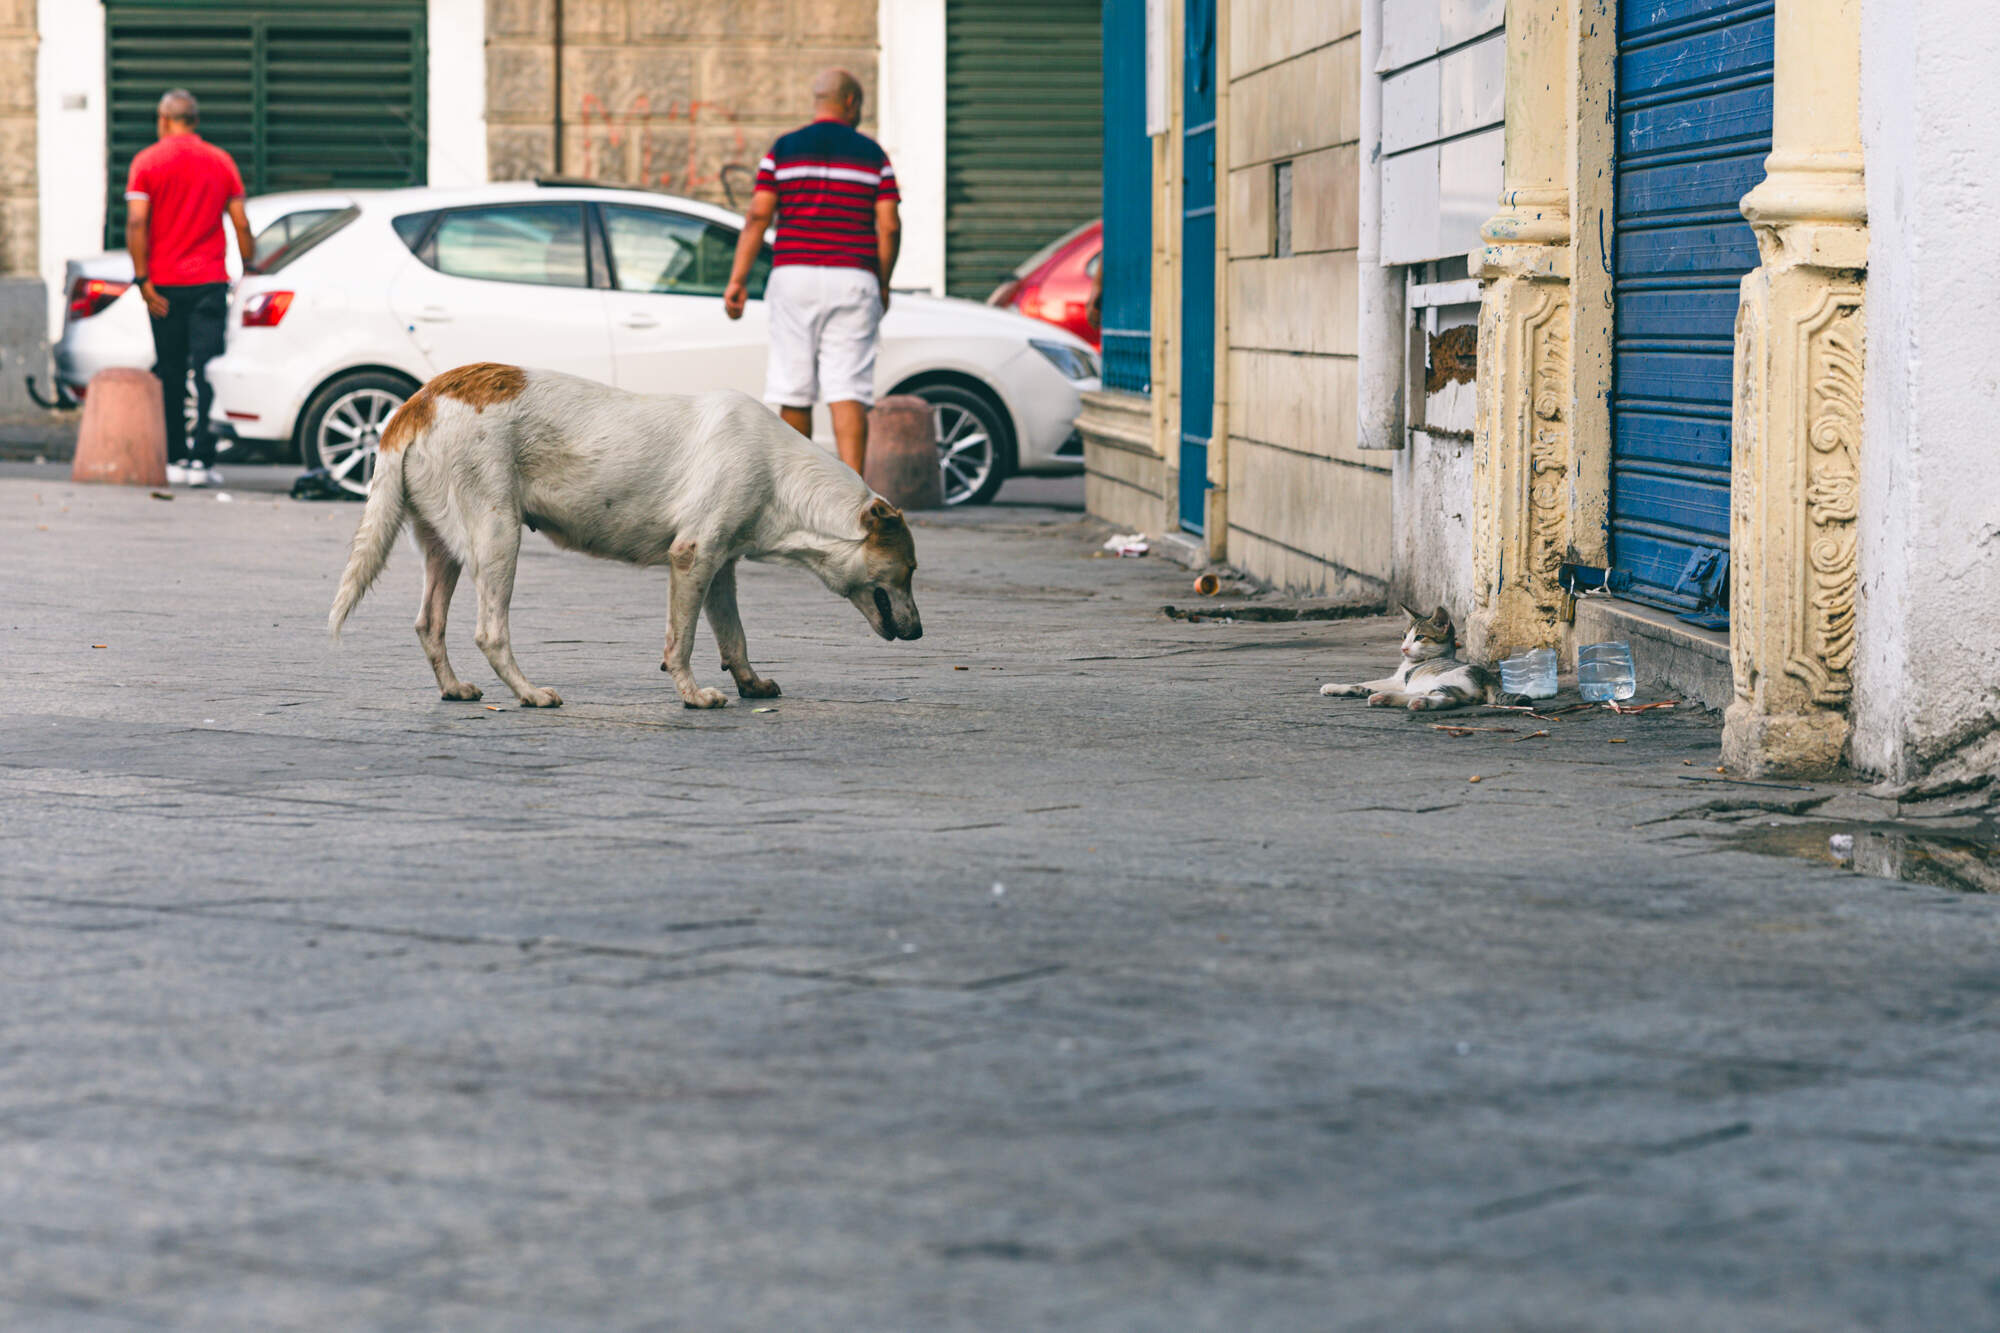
(1127, 201)
(1694, 126)
(303, 96)
(1024, 132)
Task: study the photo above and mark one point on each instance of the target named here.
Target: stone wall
(1306, 509)
(673, 94)
(18, 229)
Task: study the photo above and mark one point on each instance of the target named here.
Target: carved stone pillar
(1521, 453)
(1797, 427)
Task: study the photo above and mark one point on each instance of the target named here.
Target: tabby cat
(1430, 676)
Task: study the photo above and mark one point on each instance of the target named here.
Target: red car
(1054, 284)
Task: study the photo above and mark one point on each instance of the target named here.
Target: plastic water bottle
(1604, 672)
(1532, 674)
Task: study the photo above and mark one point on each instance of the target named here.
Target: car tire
(342, 424)
(975, 446)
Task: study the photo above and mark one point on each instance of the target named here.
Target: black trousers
(185, 339)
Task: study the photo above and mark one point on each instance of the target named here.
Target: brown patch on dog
(412, 419)
(481, 384)
(888, 536)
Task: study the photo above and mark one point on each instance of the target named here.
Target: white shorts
(823, 323)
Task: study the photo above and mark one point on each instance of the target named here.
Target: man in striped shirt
(833, 193)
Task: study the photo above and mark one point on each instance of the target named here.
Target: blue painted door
(1197, 259)
(1694, 126)
(1128, 202)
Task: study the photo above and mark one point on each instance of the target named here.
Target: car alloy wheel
(967, 451)
(349, 431)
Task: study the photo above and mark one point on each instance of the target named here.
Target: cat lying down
(1431, 676)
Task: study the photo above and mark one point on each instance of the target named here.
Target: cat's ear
(1442, 619)
(1413, 615)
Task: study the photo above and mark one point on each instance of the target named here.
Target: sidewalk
(1073, 967)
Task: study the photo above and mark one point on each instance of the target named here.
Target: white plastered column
(1796, 451)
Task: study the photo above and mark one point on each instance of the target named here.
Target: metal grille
(1694, 126)
(303, 96)
(1024, 132)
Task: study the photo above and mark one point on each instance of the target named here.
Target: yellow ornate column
(1797, 427)
(1522, 439)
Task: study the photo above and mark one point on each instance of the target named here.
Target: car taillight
(1003, 295)
(263, 310)
(87, 296)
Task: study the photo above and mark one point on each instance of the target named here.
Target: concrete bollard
(902, 453)
(123, 438)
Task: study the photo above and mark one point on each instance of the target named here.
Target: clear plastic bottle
(1531, 674)
(1604, 672)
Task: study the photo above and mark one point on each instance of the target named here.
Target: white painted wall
(457, 112)
(69, 140)
(1927, 670)
(909, 119)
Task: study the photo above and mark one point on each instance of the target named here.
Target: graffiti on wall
(666, 146)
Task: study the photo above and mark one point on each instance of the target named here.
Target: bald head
(837, 95)
(178, 107)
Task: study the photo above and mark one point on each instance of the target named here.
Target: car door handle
(434, 314)
(639, 321)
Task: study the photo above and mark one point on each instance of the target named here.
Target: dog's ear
(880, 516)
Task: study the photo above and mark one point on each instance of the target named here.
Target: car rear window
(285, 230)
(302, 242)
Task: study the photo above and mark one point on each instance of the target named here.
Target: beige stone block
(1252, 222)
(17, 74)
(1304, 104)
(1327, 510)
(519, 152)
(1326, 191)
(836, 20)
(17, 155)
(753, 84)
(595, 20)
(17, 16)
(1305, 403)
(1262, 34)
(713, 154)
(600, 151)
(520, 18)
(653, 19)
(1303, 304)
(20, 228)
(616, 82)
(520, 82)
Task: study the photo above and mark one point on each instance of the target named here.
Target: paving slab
(1073, 967)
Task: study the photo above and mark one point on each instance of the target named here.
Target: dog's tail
(382, 522)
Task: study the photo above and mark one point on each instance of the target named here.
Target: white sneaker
(200, 475)
(177, 474)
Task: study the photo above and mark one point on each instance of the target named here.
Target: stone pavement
(324, 1004)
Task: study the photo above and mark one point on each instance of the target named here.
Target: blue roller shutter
(1694, 127)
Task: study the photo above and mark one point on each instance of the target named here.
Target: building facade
(1568, 314)
(989, 108)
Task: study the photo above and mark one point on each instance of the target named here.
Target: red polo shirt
(187, 182)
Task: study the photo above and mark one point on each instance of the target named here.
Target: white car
(621, 286)
(104, 320)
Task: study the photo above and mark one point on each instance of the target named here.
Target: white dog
(694, 483)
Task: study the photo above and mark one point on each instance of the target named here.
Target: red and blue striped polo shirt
(828, 179)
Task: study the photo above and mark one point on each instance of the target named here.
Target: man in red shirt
(175, 200)
(834, 195)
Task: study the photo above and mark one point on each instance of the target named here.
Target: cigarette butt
(100, 645)
(1473, 778)
(1617, 740)
(1207, 584)
(961, 668)
(1720, 769)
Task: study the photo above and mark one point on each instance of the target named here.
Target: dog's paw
(468, 693)
(704, 698)
(541, 699)
(759, 687)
